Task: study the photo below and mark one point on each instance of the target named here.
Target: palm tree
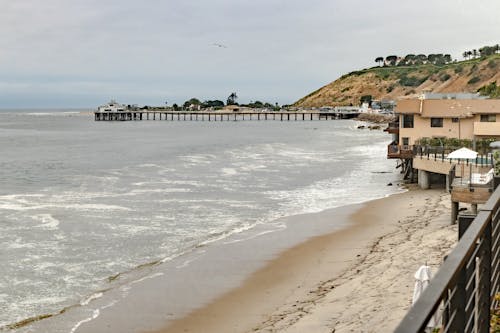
(232, 99)
(379, 60)
(465, 54)
(474, 53)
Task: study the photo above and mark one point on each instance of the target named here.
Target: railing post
(457, 304)
(484, 283)
(464, 222)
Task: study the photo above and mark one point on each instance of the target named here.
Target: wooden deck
(473, 195)
(401, 152)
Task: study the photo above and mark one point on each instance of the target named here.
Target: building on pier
(112, 106)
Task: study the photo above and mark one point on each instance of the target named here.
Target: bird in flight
(219, 45)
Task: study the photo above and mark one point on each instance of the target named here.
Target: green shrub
(445, 142)
(411, 81)
(383, 74)
(482, 145)
(496, 160)
(473, 69)
(458, 69)
(491, 90)
(492, 64)
(495, 315)
(475, 79)
(365, 98)
(444, 77)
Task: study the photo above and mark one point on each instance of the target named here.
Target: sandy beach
(358, 279)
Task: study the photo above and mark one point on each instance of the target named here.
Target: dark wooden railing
(392, 127)
(400, 151)
(463, 291)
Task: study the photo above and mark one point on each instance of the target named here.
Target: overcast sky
(81, 53)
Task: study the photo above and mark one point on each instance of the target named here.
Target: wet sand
(357, 279)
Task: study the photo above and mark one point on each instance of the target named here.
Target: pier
(219, 116)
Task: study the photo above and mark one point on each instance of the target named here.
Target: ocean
(85, 203)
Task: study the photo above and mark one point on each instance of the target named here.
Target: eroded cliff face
(406, 81)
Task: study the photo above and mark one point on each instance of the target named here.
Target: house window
(454, 120)
(407, 121)
(436, 122)
(406, 141)
(488, 118)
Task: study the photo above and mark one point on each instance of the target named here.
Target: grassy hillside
(400, 81)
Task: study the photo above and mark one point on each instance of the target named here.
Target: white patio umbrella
(422, 277)
(463, 154)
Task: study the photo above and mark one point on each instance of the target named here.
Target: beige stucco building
(461, 116)
(448, 118)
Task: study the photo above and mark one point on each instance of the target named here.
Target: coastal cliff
(393, 82)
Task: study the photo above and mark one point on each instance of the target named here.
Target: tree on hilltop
(391, 59)
(422, 57)
(410, 58)
(467, 54)
(379, 60)
(487, 50)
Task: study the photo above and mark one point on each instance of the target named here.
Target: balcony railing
(400, 151)
(393, 127)
(441, 153)
(462, 293)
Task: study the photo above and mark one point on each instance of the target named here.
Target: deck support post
(424, 179)
(454, 211)
(474, 208)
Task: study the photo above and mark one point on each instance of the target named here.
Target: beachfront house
(442, 116)
(431, 126)
(461, 116)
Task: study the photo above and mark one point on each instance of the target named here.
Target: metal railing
(463, 291)
(440, 154)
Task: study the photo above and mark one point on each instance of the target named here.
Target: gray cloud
(79, 52)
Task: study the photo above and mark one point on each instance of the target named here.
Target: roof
(448, 108)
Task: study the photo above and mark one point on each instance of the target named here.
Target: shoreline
(154, 294)
(269, 281)
(310, 286)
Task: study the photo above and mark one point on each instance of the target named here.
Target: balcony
(491, 129)
(400, 151)
(393, 127)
